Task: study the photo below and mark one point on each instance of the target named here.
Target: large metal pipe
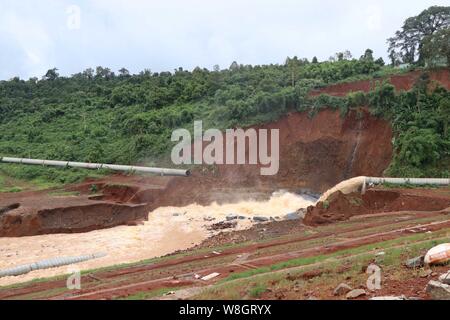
(47, 264)
(69, 164)
(413, 181)
(360, 183)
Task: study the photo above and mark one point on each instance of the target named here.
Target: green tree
(124, 73)
(444, 113)
(368, 55)
(436, 47)
(407, 43)
(51, 74)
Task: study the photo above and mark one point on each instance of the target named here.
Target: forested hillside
(97, 116)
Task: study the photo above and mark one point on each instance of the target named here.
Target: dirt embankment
(401, 82)
(340, 207)
(315, 154)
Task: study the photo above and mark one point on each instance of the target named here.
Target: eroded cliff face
(403, 82)
(315, 154)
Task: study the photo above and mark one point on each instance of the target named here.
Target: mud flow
(140, 217)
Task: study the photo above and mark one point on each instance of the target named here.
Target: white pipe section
(360, 183)
(47, 264)
(413, 181)
(65, 164)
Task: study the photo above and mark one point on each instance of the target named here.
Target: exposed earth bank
(340, 207)
(315, 154)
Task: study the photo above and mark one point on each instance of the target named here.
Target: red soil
(341, 207)
(401, 82)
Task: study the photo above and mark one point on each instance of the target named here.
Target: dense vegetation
(423, 39)
(98, 116)
(102, 117)
(420, 119)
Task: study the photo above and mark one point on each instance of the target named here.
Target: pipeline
(360, 183)
(47, 264)
(98, 166)
(413, 181)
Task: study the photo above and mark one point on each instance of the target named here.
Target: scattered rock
(242, 218)
(176, 214)
(354, 294)
(209, 219)
(223, 225)
(292, 216)
(342, 289)
(438, 290)
(445, 278)
(231, 217)
(414, 263)
(260, 219)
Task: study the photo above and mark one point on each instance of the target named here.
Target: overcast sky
(163, 35)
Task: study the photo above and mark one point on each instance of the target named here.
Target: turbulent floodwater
(167, 230)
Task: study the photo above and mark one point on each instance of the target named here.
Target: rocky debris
(389, 298)
(354, 294)
(223, 225)
(208, 219)
(260, 219)
(232, 217)
(292, 216)
(445, 278)
(438, 290)
(415, 263)
(342, 289)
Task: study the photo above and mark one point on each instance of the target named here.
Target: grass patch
(287, 280)
(11, 189)
(257, 290)
(339, 254)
